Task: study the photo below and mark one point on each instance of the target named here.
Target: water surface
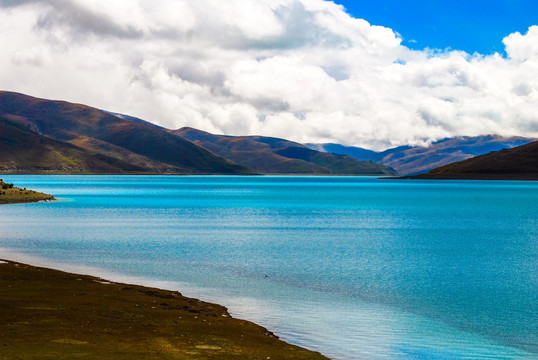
(357, 268)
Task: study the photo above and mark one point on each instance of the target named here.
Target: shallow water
(357, 268)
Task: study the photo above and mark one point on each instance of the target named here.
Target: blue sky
(469, 25)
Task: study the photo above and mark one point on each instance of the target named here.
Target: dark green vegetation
(10, 194)
(407, 160)
(48, 314)
(269, 155)
(519, 163)
(40, 135)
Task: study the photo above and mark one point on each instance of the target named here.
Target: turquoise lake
(354, 267)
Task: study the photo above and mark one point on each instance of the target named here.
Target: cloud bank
(299, 69)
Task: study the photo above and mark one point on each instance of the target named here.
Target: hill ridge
(271, 155)
(518, 163)
(113, 137)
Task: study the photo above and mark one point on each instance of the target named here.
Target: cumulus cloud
(299, 69)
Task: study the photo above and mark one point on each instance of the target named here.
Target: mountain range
(47, 136)
(408, 160)
(268, 155)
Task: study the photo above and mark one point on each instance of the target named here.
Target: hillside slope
(24, 151)
(519, 163)
(269, 155)
(145, 146)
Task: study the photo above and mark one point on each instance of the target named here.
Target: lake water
(356, 268)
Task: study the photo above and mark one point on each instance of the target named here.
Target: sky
(468, 25)
(369, 74)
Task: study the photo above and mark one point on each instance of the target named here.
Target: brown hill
(144, 146)
(269, 155)
(24, 151)
(519, 163)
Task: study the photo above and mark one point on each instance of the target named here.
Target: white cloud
(523, 47)
(299, 69)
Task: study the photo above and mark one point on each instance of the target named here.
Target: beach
(50, 314)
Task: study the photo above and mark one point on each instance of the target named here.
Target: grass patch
(10, 194)
(49, 314)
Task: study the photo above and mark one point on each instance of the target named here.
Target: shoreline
(47, 311)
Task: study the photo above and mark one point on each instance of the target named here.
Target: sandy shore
(50, 314)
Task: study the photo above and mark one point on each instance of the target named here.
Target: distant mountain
(356, 152)
(134, 145)
(407, 160)
(519, 163)
(269, 155)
